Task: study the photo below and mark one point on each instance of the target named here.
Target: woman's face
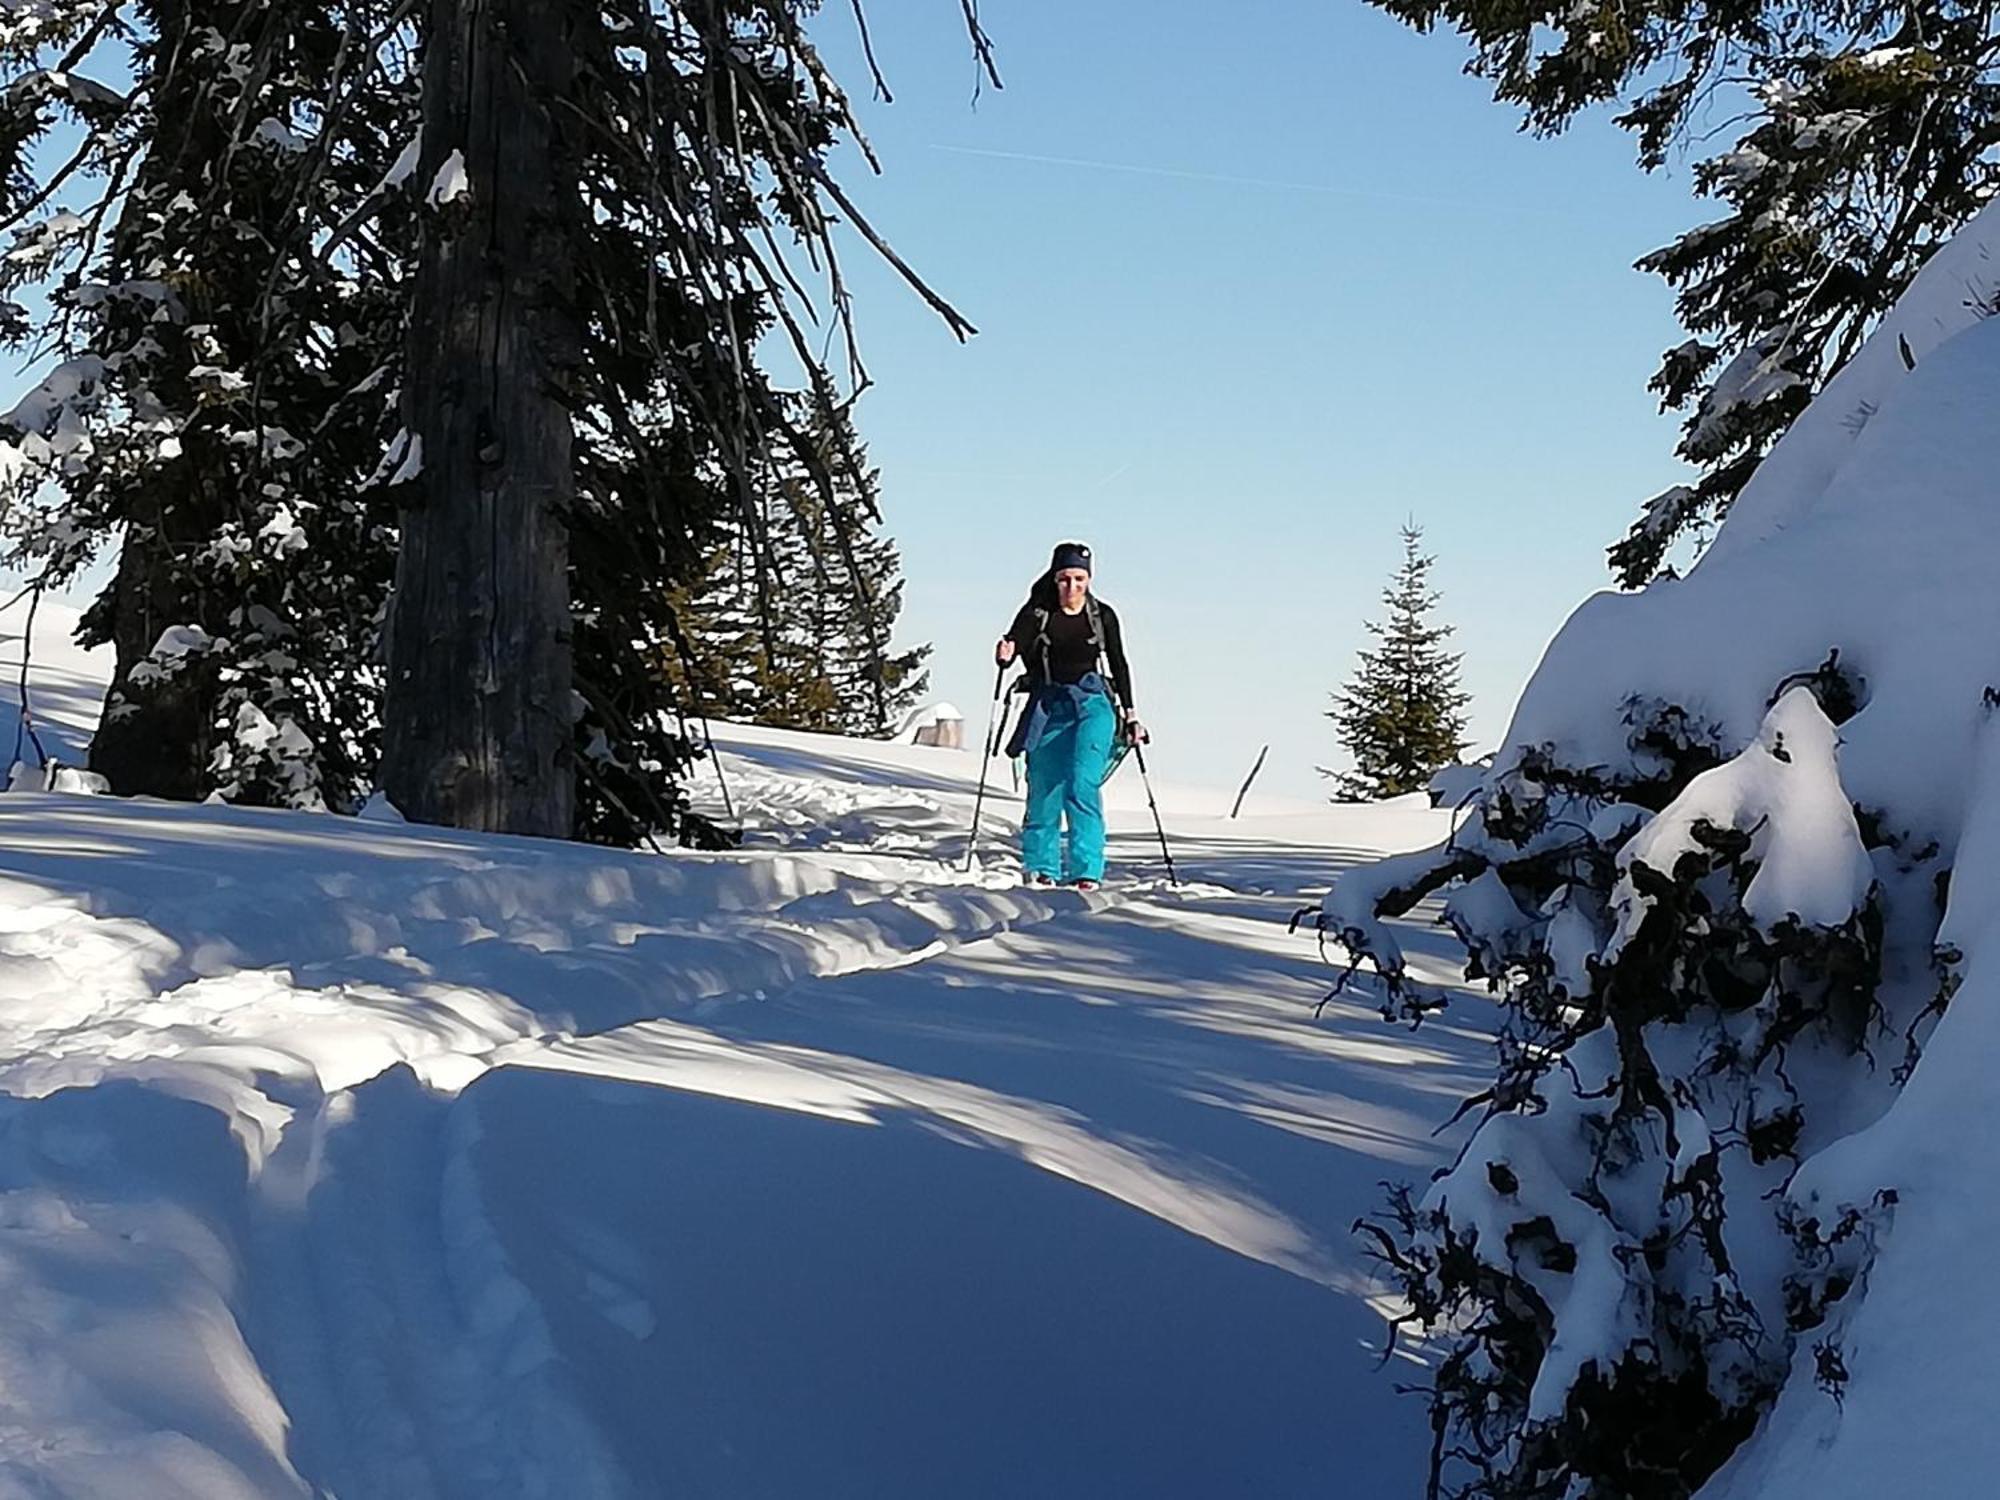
(1071, 585)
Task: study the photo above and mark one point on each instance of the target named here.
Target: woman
(1068, 639)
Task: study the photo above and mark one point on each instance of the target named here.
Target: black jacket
(1027, 634)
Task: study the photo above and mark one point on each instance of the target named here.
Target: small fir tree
(715, 661)
(1402, 716)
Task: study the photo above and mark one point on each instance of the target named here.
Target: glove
(1003, 653)
(1135, 731)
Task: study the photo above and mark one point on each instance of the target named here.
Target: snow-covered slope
(66, 683)
(348, 1158)
(1873, 531)
(1918, 1347)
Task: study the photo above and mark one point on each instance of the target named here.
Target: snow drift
(350, 1157)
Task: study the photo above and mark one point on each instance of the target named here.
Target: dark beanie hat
(1070, 555)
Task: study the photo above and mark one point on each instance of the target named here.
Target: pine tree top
(1401, 716)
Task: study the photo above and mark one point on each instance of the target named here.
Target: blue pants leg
(1048, 779)
(1065, 783)
(1083, 794)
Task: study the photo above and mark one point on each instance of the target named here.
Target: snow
(1784, 793)
(42, 407)
(66, 685)
(1755, 376)
(1869, 532)
(279, 136)
(179, 641)
(401, 463)
(1451, 785)
(1914, 1412)
(379, 809)
(1884, 57)
(219, 379)
(412, 464)
(1946, 298)
(347, 1156)
(451, 182)
(1872, 537)
(405, 164)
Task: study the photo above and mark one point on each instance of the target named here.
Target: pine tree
(1402, 715)
(838, 608)
(880, 684)
(686, 141)
(250, 271)
(795, 633)
(714, 661)
(210, 404)
(1865, 135)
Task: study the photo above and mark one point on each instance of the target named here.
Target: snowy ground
(347, 1159)
(66, 685)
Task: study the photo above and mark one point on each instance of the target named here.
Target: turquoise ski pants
(1065, 781)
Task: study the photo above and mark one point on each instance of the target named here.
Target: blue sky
(1312, 282)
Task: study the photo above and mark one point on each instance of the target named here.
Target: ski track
(383, 1162)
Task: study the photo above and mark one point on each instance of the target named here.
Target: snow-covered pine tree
(673, 146)
(703, 132)
(1865, 136)
(209, 402)
(1402, 715)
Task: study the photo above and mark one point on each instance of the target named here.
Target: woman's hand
(1004, 652)
(1135, 731)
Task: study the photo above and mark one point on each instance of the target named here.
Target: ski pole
(985, 760)
(1139, 753)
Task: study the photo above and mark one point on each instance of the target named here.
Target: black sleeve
(1114, 652)
(1022, 631)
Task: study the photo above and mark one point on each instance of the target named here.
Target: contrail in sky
(1188, 176)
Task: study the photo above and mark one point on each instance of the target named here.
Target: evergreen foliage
(690, 140)
(210, 402)
(1612, 1268)
(223, 262)
(1865, 136)
(786, 633)
(1402, 716)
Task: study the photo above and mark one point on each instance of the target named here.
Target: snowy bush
(1705, 879)
(1687, 961)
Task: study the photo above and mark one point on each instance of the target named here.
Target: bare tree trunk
(477, 716)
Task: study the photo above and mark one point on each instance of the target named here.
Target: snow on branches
(1725, 878)
(1782, 797)
(197, 415)
(1683, 959)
